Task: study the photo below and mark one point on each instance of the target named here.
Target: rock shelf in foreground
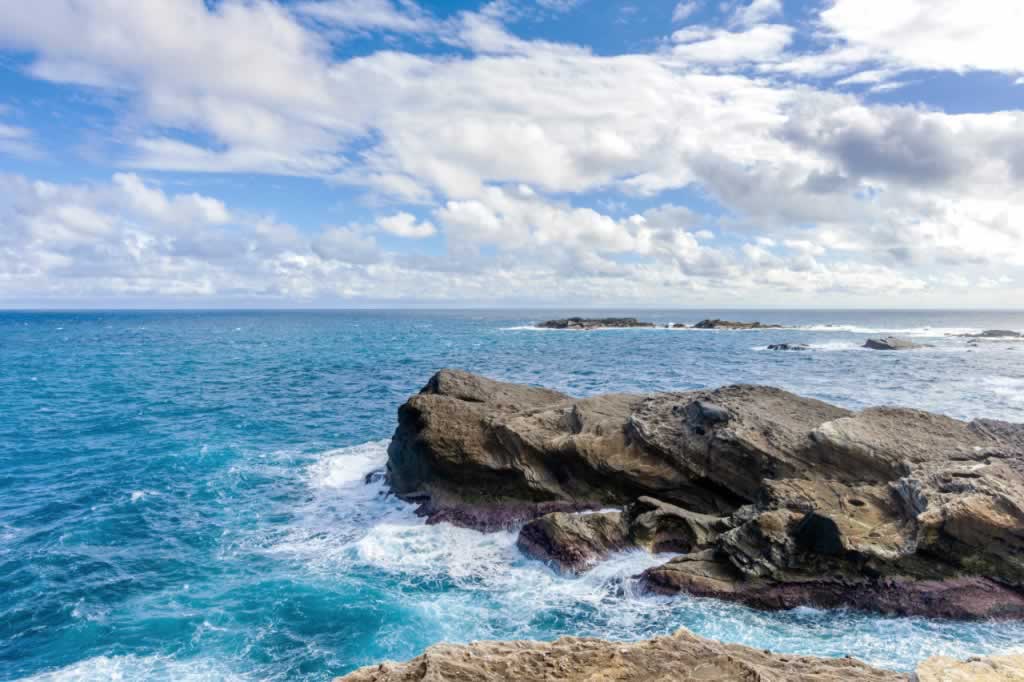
(682, 657)
(772, 499)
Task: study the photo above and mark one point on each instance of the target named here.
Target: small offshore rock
(789, 346)
(892, 343)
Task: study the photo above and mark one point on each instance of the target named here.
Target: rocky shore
(767, 498)
(682, 657)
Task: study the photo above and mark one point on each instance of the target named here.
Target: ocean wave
(1007, 388)
(130, 667)
(923, 332)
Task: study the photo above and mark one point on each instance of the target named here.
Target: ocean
(182, 494)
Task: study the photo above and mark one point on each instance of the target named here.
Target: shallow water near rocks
(182, 494)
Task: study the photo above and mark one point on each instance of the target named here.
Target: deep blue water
(181, 493)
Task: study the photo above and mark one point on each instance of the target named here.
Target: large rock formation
(730, 324)
(585, 323)
(682, 657)
(774, 500)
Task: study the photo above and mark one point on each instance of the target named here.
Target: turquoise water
(182, 495)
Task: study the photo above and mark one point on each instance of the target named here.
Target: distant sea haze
(183, 495)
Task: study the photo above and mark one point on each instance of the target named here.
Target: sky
(572, 153)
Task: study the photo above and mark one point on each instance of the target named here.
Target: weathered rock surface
(788, 346)
(775, 500)
(583, 323)
(682, 657)
(730, 324)
(575, 542)
(1008, 668)
(892, 343)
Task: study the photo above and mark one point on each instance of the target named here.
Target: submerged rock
(789, 346)
(892, 343)
(682, 657)
(775, 500)
(583, 323)
(729, 324)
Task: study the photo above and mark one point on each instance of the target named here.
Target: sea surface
(182, 494)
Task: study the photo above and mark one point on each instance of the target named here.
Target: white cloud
(383, 15)
(933, 34)
(765, 42)
(405, 225)
(683, 11)
(757, 11)
(861, 198)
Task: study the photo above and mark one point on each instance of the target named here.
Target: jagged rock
(788, 346)
(777, 500)
(682, 657)
(584, 323)
(574, 542)
(729, 324)
(892, 343)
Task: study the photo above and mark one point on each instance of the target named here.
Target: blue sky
(543, 152)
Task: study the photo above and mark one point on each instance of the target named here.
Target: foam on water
(130, 668)
(464, 585)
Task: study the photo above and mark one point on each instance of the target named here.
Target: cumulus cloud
(405, 225)
(504, 141)
(933, 34)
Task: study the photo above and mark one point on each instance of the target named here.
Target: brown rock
(779, 500)
(682, 657)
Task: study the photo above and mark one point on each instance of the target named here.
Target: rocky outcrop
(774, 500)
(682, 657)
(788, 346)
(892, 343)
(729, 324)
(583, 323)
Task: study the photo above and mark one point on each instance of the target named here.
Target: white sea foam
(129, 668)
(345, 466)
(928, 332)
(465, 585)
(1010, 389)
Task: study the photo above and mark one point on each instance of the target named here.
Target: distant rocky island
(586, 323)
(729, 324)
(766, 498)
